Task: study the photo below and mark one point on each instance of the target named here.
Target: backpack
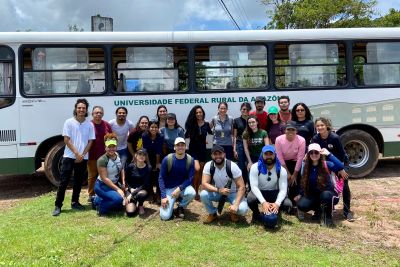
(335, 181)
(228, 169)
(170, 159)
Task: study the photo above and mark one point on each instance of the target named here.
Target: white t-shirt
(122, 132)
(259, 181)
(79, 134)
(221, 177)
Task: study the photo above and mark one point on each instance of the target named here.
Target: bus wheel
(52, 163)
(362, 150)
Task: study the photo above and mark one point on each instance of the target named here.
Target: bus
(351, 76)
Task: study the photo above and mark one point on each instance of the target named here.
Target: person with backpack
(268, 182)
(222, 181)
(176, 176)
(319, 191)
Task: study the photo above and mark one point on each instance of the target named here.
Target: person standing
(222, 178)
(254, 139)
(269, 187)
(222, 125)
(170, 132)
(97, 149)
(161, 116)
(176, 177)
(284, 112)
(275, 127)
(122, 127)
(260, 113)
(301, 114)
(134, 140)
(78, 133)
(331, 141)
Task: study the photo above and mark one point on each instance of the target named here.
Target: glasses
(314, 152)
(269, 176)
(300, 110)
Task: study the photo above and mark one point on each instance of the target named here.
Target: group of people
(279, 158)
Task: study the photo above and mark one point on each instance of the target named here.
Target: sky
(139, 15)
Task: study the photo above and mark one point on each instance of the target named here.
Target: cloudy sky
(139, 15)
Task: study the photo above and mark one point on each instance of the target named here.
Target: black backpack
(228, 169)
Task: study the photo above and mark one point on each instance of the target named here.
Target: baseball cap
(272, 110)
(217, 148)
(314, 146)
(268, 148)
(110, 142)
(260, 99)
(171, 115)
(179, 140)
(291, 125)
(142, 151)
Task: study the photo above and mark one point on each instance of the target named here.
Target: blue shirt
(177, 177)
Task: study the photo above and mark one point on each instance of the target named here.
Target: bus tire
(362, 150)
(52, 163)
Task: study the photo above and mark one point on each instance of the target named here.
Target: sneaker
(234, 217)
(210, 218)
(56, 211)
(349, 216)
(77, 206)
(180, 212)
(141, 210)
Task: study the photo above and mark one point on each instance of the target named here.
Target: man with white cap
(176, 176)
(268, 182)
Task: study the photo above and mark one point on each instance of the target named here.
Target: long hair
(160, 107)
(248, 129)
(270, 123)
(307, 110)
(81, 101)
(325, 121)
(152, 122)
(322, 174)
(137, 127)
(191, 121)
(123, 108)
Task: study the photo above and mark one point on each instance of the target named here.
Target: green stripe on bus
(391, 149)
(17, 166)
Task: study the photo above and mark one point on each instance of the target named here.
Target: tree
(300, 14)
(392, 19)
(75, 28)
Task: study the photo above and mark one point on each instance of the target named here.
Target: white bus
(349, 75)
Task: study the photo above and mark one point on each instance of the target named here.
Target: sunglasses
(269, 176)
(314, 152)
(300, 110)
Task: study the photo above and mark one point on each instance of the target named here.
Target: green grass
(30, 236)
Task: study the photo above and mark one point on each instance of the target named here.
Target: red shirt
(262, 119)
(285, 116)
(98, 146)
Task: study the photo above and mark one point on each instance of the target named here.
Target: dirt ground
(375, 202)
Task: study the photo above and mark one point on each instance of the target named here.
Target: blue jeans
(208, 197)
(187, 196)
(106, 198)
(123, 155)
(325, 200)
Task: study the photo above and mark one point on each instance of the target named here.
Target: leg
(92, 176)
(197, 177)
(141, 197)
(228, 152)
(108, 198)
(252, 202)
(242, 162)
(305, 204)
(207, 198)
(187, 196)
(79, 172)
(123, 155)
(166, 213)
(66, 171)
(242, 208)
(346, 198)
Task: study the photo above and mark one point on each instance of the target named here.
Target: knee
(326, 196)
(190, 192)
(303, 204)
(243, 208)
(165, 214)
(204, 195)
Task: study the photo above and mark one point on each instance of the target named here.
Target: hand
(292, 180)
(235, 154)
(176, 193)
(325, 152)
(274, 208)
(344, 174)
(121, 193)
(265, 207)
(249, 165)
(224, 191)
(79, 158)
(233, 208)
(164, 203)
(297, 198)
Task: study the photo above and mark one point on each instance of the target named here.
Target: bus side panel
(9, 136)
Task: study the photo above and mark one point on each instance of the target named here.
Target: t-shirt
(259, 181)
(285, 116)
(171, 134)
(222, 130)
(114, 167)
(135, 139)
(333, 144)
(136, 177)
(240, 125)
(221, 178)
(153, 147)
(122, 132)
(262, 118)
(98, 147)
(290, 150)
(79, 134)
(306, 130)
(275, 130)
(256, 142)
(197, 145)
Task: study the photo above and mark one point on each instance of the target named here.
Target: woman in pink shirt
(290, 149)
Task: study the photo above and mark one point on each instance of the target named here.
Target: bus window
(309, 65)
(63, 70)
(149, 69)
(231, 67)
(376, 63)
(6, 77)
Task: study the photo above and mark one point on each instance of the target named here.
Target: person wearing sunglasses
(269, 187)
(317, 191)
(301, 114)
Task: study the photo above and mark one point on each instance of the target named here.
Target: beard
(269, 162)
(219, 161)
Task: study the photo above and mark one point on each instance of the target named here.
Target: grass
(30, 236)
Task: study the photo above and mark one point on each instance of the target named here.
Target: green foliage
(75, 28)
(392, 19)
